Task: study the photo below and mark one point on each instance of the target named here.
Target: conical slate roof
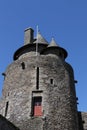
(43, 46)
(54, 48)
(53, 43)
(40, 39)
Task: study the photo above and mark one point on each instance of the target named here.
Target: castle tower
(39, 87)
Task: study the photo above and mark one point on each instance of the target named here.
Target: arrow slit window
(6, 109)
(37, 78)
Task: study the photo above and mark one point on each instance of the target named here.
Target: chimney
(28, 38)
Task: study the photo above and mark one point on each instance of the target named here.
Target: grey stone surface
(6, 125)
(59, 105)
(82, 120)
(59, 98)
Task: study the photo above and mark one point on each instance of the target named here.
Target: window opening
(37, 106)
(37, 78)
(6, 109)
(51, 81)
(23, 65)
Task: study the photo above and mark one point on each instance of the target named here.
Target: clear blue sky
(65, 20)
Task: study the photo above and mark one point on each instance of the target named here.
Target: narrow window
(37, 106)
(37, 78)
(51, 81)
(6, 109)
(23, 65)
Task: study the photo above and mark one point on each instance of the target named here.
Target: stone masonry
(39, 70)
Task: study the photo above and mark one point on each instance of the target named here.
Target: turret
(30, 45)
(54, 48)
(39, 90)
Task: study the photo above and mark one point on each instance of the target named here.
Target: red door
(37, 106)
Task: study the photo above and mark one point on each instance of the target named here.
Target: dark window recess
(23, 65)
(37, 106)
(51, 81)
(37, 78)
(6, 109)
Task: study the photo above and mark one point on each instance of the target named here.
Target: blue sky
(65, 20)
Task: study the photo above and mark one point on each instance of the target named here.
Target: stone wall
(6, 125)
(58, 98)
(45, 75)
(82, 120)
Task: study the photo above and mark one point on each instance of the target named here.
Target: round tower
(39, 91)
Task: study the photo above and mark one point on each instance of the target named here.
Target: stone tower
(39, 87)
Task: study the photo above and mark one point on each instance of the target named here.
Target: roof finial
(37, 29)
(39, 38)
(53, 43)
(52, 38)
(37, 42)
